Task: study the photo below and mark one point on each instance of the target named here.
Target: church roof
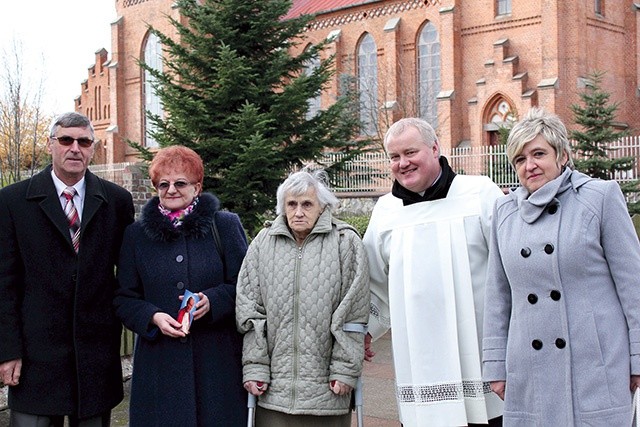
(312, 7)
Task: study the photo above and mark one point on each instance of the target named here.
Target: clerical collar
(438, 189)
(421, 193)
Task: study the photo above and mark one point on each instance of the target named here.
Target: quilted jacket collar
(280, 227)
(324, 225)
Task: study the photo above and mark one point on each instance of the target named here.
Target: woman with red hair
(182, 378)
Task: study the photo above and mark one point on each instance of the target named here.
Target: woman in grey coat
(304, 278)
(562, 315)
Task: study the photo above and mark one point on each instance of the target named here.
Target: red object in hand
(333, 383)
(259, 383)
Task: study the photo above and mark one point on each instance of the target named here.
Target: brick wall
(140, 187)
(539, 54)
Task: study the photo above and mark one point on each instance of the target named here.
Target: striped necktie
(72, 216)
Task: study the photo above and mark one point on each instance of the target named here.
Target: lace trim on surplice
(443, 392)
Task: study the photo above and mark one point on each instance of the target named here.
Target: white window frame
(368, 84)
(314, 103)
(503, 7)
(152, 103)
(429, 81)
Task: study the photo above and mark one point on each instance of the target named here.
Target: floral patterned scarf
(176, 217)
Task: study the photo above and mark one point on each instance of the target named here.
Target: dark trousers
(494, 422)
(20, 419)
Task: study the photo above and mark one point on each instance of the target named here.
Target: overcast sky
(58, 40)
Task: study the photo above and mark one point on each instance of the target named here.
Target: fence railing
(370, 172)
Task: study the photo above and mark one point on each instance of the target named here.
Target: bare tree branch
(22, 122)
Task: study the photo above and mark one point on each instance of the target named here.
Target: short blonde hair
(539, 122)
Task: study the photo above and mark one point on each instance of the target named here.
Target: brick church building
(465, 66)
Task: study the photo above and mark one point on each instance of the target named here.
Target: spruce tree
(232, 91)
(593, 141)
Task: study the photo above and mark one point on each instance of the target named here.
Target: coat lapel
(94, 198)
(41, 187)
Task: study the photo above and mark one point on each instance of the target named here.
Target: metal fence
(370, 172)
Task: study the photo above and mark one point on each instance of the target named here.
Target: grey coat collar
(531, 206)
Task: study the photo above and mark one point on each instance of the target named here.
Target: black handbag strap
(218, 242)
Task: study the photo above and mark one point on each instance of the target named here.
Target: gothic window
(501, 112)
(368, 84)
(428, 73)
(504, 7)
(314, 103)
(152, 104)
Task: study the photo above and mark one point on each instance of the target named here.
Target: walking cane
(358, 391)
(358, 402)
(251, 405)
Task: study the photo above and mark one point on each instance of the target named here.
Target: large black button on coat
(555, 295)
(552, 209)
(560, 343)
(525, 252)
(532, 298)
(548, 248)
(536, 344)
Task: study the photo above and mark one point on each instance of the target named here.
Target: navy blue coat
(196, 380)
(56, 307)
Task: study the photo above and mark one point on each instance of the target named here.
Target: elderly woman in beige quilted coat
(304, 277)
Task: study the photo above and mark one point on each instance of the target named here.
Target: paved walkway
(380, 408)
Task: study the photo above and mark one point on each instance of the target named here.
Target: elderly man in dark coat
(60, 337)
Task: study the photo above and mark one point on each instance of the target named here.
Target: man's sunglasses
(68, 140)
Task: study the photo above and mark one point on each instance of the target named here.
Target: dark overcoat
(196, 380)
(56, 307)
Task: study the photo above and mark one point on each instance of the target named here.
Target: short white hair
(300, 182)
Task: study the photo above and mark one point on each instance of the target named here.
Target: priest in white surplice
(428, 250)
